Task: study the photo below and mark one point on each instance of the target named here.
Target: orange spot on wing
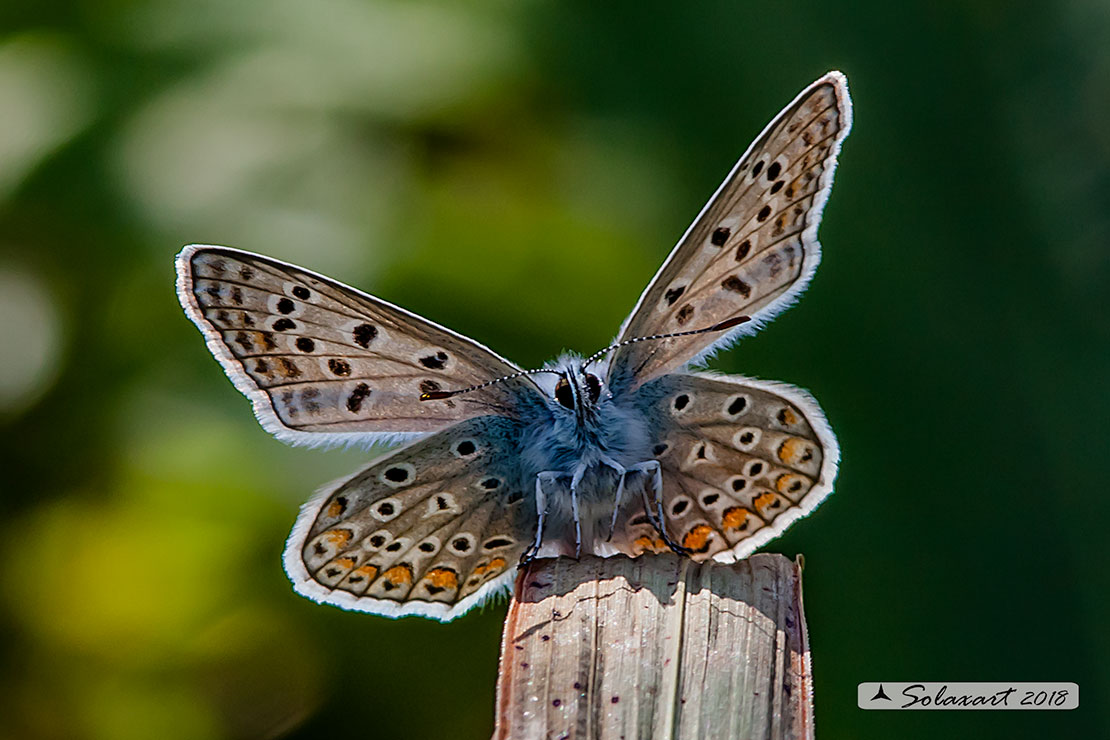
(787, 416)
(790, 483)
(697, 539)
(443, 578)
(338, 537)
(650, 544)
(791, 450)
(367, 571)
(398, 575)
(334, 509)
(763, 500)
(735, 519)
(345, 562)
(492, 566)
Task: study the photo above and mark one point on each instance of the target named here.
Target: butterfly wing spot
(377, 540)
(747, 438)
(304, 344)
(780, 225)
(698, 539)
(397, 545)
(442, 503)
(660, 449)
(763, 214)
(359, 578)
(736, 519)
(795, 450)
(646, 543)
(778, 186)
(769, 504)
(285, 306)
(337, 506)
(720, 236)
(757, 168)
(773, 171)
(326, 546)
(672, 295)
(701, 453)
(436, 361)
(680, 507)
(681, 402)
(364, 334)
(710, 498)
(736, 405)
(465, 448)
(430, 546)
(461, 544)
(439, 580)
(743, 250)
(491, 483)
(359, 394)
(386, 509)
(792, 484)
(301, 292)
(335, 571)
(398, 475)
(338, 367)
(787, 416)
(736, 285)
(284, 324)
(287, 368)
(684, 314)
(397, 577)
(496, 543)
(737, 483)
(754, 468)
(494, 566)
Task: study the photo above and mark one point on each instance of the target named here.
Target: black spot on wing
(364, 334)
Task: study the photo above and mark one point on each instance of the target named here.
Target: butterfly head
(578, 390)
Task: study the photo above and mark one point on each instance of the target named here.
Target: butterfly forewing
(754, 246)
(319, 358)
(431, 529)
(741, 460)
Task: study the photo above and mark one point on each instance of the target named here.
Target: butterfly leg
(574, 481)
(652, 468)
(622, 473)
(541, 511)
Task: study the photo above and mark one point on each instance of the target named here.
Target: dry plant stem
(656, 647)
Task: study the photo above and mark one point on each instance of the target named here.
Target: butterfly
(625, 452)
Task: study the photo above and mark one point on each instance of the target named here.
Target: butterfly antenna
(720, 326)
(440, 395)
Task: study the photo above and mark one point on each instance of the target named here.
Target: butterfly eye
(593, 387)
(563, 394)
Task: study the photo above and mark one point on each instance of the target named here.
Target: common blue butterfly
(624, 452)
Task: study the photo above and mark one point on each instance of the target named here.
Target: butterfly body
(589, 442)
(625, 452)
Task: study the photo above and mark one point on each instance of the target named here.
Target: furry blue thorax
(581, 443)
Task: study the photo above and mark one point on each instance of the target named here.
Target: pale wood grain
(656, 647)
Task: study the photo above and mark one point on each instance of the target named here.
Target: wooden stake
(656, 647)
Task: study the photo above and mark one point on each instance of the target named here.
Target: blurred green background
(517, 171)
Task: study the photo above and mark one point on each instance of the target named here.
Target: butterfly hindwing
(752, 249)
(323, 362)
(431, 529)
(741, 460)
